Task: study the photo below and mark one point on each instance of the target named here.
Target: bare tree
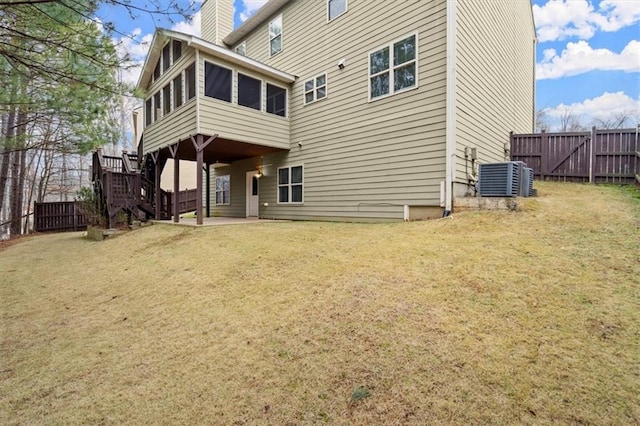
(618, 120)
(569, 122)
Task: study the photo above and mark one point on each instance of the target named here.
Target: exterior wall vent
(499, 179)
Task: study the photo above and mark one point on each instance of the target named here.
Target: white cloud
(249, 7)
(604, 107)
(578, 58)
(192, 27)
(561, 19)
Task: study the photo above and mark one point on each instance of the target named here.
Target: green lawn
(485, 317)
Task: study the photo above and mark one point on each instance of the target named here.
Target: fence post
(592, 154)
(544, 142)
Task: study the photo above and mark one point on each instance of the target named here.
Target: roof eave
(271, 7)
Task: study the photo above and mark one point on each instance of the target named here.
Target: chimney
(216, 20)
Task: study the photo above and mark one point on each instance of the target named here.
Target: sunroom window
(249, 92)
(393, 68)
(276, 100)
(177, 91)
(166, 99)
(166, 57)
(217, 82)
(190, 81)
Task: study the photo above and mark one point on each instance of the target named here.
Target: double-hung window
(290, 184)
(393, 68)
(336, 8)
(315, 88)
(223, 190)
(275, 35)
(190, 81)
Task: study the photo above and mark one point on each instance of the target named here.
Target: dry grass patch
(487, 317)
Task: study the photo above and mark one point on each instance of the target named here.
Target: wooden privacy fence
(60, 216)
(598, 156)
(186, 200)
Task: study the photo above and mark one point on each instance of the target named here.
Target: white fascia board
(254, 21)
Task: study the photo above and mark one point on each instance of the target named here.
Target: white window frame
(392, 68)
(315, 88)
(222, 191)
(241, 49)
(329, 18)
(289, 185)
(277, 18)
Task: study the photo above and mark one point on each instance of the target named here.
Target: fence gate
(63, 216)
(599, 156)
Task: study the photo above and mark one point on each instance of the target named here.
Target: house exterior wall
(362, 159)
(180, 122)
(236, 122)
(495, 67)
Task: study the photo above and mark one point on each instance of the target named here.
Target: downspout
(450, 151)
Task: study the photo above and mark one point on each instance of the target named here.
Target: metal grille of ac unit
(527, 177)
(499, 179)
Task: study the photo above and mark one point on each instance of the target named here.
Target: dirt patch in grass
(528, 317)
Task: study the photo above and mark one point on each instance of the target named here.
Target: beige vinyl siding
(176, 126)
(495, 77)
(362, 160)
(238, 174)
(180, 122)
(236, 122)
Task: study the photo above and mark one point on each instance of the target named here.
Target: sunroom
(206, 103)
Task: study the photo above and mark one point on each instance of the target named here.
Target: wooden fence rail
(63, 216)
(598, 156)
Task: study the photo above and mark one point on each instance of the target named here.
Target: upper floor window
(190, 81)
(315, 89)
(177, 50)
(275, 35)
(217, 82)
(276, 100)
(156, 71)
(249, 92)
(166, 99)
(177, 91)
(290, 184)
(336, 8)
(157, 112)
(148, 108)
(241, 49)
(393, 68)
(166, 57)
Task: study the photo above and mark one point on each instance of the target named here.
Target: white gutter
(451, 105)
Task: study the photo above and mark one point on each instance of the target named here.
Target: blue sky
(588, 54)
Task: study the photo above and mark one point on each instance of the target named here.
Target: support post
(208, 188)
(156, 185)
(173, 149)
(200, 144)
